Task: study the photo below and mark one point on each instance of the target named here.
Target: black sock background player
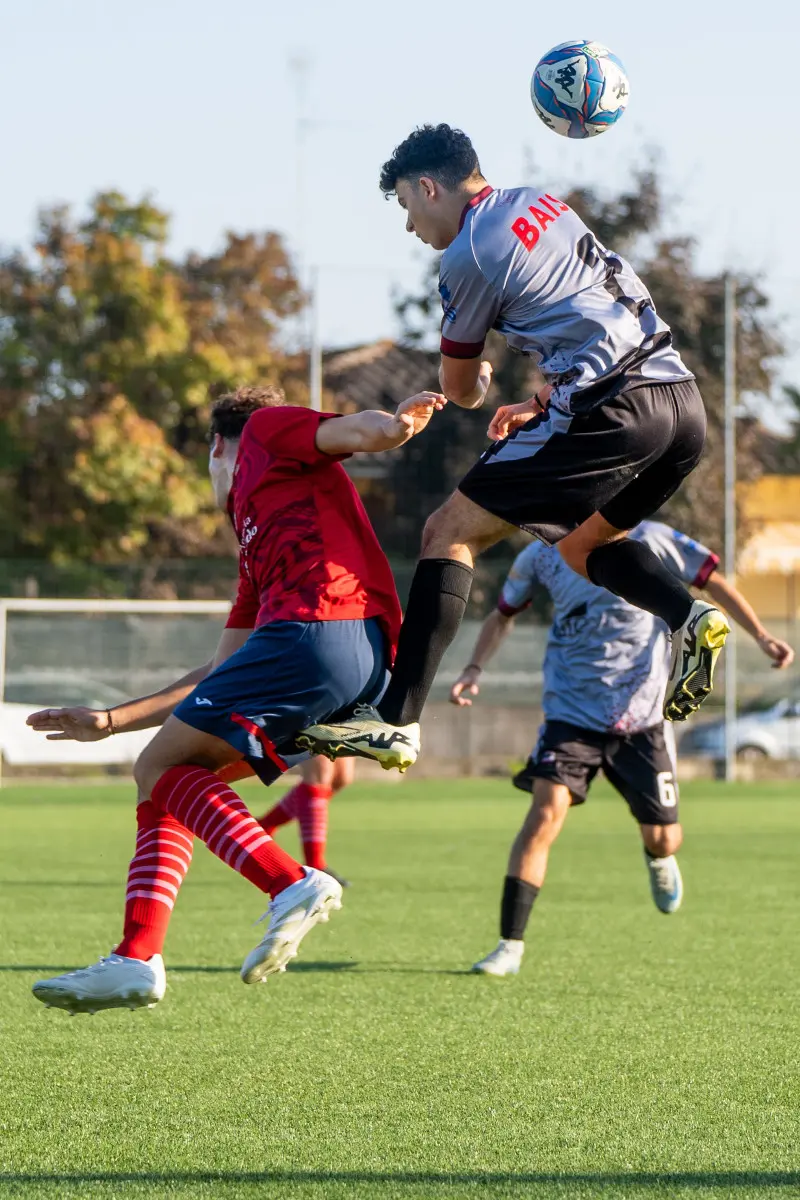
(619, 427)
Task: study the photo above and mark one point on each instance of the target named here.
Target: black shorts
(623, 459)
(639, 765)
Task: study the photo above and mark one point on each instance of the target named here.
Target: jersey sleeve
(518, 588)
(290, 432)
(470, 306)
(245, 608)
(691, 561)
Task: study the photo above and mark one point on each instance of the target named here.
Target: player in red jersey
(311, 634)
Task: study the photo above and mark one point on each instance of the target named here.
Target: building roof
(378, 375)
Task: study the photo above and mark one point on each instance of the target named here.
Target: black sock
(515, 908)
(436, 603)
(631, 570)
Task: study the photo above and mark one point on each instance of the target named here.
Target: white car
(27, 692)
(773, 732)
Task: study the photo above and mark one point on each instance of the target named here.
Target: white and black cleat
(505, 959)
(112, 982)
(292, 914)
(696, 646)
(366, 735)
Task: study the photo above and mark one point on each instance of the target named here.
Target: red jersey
(307, 549)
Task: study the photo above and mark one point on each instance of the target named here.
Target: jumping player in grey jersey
(605, 671)
(618, 427)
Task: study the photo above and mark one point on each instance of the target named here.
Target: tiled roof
(378, 375)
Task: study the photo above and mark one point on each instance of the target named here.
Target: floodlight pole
(730, 519)
(315, 346)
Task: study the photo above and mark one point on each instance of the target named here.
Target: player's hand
(512, 416)
(413, 415)
(465, 687)
(781, 653)
(485, 373)
(72, 724)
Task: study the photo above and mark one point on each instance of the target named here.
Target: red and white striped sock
(312, 814)
(283, 812)
(214, 813)
(158, 868)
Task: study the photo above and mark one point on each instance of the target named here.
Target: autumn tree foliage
(109, 353)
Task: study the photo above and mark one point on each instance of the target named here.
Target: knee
(544, 819)
(343, 772)
(662, 840)
(147, 771)
(435, 531)
(318, 772)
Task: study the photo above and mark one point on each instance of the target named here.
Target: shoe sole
(273, 956)
(696, 685)
(89, 1006)
(477, 969)
(399, 759)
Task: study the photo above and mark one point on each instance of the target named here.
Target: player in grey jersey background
(618, 427)
(605, 671)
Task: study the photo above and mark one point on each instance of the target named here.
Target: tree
(109, 352)
(691, 303)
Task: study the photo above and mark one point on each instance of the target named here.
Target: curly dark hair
(445, 154)
(230, 413)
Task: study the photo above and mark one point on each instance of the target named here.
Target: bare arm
(723, 592)
(372, 431)
(147, 712)
(465, 381)
(493, 632)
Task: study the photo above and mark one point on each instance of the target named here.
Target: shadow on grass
(60, 883)
(296, 968)
(696, 1179)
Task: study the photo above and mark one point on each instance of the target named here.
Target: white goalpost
(62, 653)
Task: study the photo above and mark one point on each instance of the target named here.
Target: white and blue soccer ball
(580, 89)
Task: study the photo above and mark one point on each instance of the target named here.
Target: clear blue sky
(194, 102)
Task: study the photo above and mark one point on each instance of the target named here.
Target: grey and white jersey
(606, 663)
(525, 264)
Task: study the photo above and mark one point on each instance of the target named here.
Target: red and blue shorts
(287, 675)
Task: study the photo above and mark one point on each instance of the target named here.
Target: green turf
(636, 1056)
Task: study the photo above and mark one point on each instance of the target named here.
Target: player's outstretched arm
(371, 432)
(93, 724)
(493, 632)
(724, 593)
(146, 712)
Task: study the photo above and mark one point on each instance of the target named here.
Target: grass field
(636, 1056)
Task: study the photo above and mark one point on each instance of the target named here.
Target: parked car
(27, 691)
(772, 732)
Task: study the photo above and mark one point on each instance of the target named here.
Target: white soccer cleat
(696, 647)
(366, 735)
(505, 959)
(291, 915)
(666, 882)
(113, 982)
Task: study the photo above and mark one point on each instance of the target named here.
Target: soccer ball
(579, 89)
